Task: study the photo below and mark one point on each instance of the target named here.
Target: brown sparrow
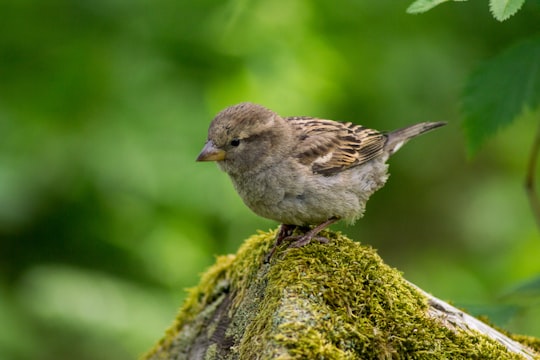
(302, 171)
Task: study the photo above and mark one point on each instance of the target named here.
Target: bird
(304, 172)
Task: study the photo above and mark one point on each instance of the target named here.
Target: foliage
(501, 9)
(497, 93)
(503, 87)
(501, 90)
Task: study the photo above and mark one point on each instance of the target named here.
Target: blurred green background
(105, 218)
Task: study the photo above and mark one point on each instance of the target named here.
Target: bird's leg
(312, 234)
(285, 231)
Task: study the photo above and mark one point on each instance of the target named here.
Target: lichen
(322, 301)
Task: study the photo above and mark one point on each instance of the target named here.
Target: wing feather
(330, 146)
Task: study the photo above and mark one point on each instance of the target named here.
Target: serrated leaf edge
(503, 14)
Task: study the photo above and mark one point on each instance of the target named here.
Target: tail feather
(397, 138)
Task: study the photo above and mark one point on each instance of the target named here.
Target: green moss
(185, 327)
(323, 301)
(211, 353)
(530, 341)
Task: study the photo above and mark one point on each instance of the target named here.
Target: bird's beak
(211, 153)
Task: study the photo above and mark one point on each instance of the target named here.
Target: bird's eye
(235, 142)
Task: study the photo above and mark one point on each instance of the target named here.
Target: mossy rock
(322, 301)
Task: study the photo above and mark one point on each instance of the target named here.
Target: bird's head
(242, 136)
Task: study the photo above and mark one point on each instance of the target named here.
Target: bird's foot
(285, 233)
(302, 240)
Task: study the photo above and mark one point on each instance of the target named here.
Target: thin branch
(530, 179)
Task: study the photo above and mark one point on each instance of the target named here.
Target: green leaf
(421, 6)
(503, 9)
(500, 90)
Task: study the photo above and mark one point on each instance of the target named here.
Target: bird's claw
(285, 233)
(299, 241)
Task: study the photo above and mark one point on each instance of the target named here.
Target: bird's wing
(330, 146)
